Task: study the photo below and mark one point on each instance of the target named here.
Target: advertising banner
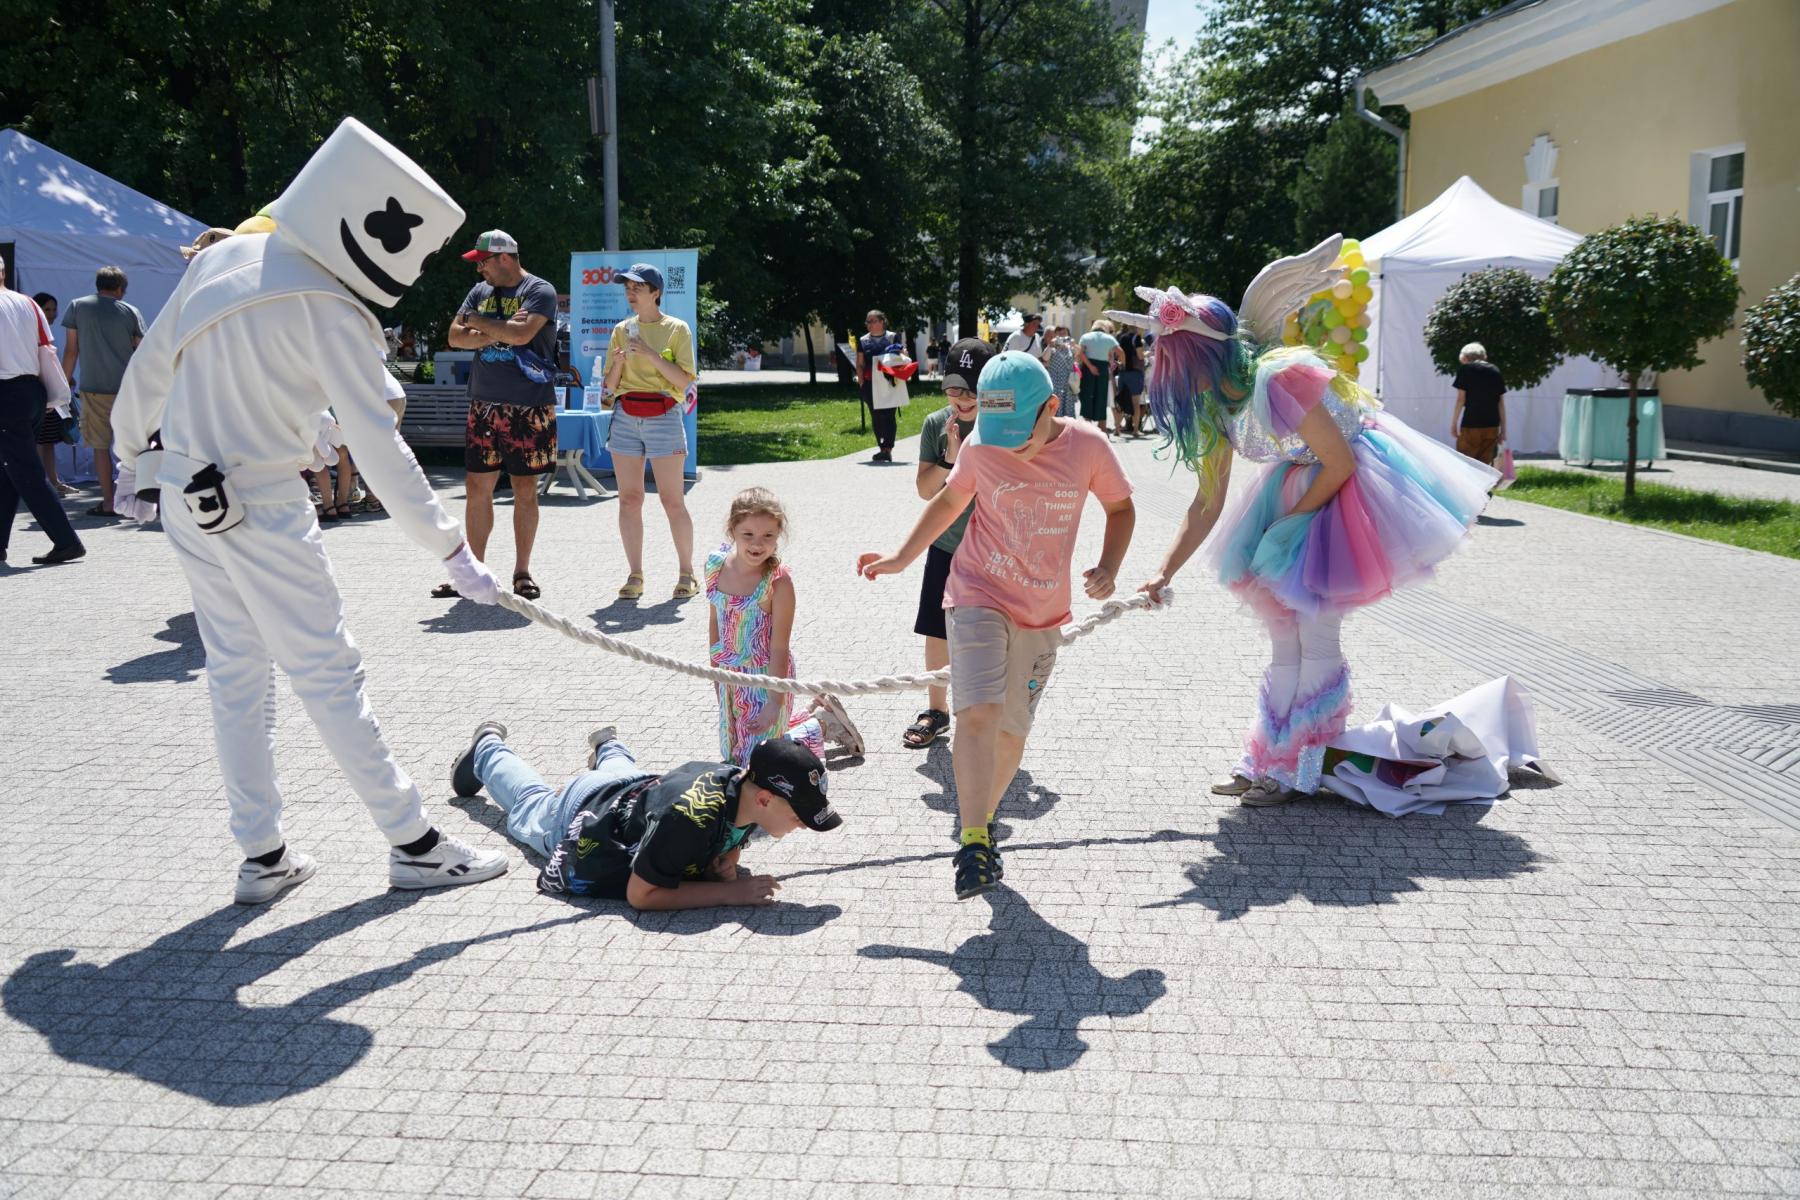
(597, 299)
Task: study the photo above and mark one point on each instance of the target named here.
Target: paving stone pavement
(1589, 990)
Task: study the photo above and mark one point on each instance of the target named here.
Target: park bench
(437, 414)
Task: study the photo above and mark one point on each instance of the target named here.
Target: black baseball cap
(962, 365)
(791, 771)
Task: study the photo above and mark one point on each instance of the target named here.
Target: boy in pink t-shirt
(1029, 472)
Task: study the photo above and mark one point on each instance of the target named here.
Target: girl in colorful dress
(752, 598)
(1350, 503)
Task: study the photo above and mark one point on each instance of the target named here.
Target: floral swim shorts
(519, 439)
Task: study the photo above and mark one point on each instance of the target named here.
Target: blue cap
(1012, 390)
(644, 273)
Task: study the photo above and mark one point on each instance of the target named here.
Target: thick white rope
(1112, 610)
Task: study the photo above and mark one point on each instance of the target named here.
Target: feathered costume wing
(1284, 285)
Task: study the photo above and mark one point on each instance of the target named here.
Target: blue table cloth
(1593, 425)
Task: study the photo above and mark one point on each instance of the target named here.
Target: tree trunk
(812, 364)
(1631, 441)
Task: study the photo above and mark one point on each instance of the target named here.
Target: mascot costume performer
(219, 413)
(1350, 503)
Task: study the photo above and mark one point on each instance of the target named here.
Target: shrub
(1503, 309)
(1640, 297)
(1772, 347)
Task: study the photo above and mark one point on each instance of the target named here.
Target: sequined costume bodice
(1253, 434)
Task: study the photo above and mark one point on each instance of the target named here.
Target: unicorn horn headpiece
(1170, 311)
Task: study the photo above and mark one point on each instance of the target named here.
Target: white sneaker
(1232, 785)
(450, 863)
(836, 723)
(257, 884)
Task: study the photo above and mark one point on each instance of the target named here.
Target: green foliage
(777, 422)
(1772, 526)
(1503, 309)
(1346, 182)
(1037, 98)
(1257, 154)
(1642, 295)
(1772, 347)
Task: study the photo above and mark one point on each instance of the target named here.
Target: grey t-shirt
(495, 377)
(932, 436)
(108, 330)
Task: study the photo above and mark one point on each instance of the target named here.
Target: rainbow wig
(1184, 387)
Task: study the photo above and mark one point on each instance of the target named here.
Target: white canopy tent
(65, 220)
(1415, 261)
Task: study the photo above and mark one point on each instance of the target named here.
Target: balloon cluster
(1335, 322)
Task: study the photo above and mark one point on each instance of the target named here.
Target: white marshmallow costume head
(366, 213)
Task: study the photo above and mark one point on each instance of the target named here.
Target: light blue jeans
(537, 814)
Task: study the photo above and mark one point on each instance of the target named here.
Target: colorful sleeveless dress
(745, 629)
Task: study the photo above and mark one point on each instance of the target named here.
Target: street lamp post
(609, 126)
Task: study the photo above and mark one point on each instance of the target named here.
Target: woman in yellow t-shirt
(649, 365)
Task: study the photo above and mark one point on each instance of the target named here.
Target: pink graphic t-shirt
(1020, 545)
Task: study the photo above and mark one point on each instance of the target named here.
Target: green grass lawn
(785, 422)
(1771, 525)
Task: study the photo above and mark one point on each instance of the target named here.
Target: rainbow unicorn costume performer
(1350, 503)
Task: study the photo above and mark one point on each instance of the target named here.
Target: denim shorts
(647, 437)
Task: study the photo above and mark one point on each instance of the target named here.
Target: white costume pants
(264, 594)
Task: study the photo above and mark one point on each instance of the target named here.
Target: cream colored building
(1591, 111)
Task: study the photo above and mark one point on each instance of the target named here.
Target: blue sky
(1177, 19)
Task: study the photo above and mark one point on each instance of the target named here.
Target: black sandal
(925, 728)
(445, 591)
(525, 587)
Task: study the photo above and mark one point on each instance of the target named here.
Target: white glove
(471, 578)
(133, 509)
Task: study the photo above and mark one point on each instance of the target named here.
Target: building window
(1716, 197)
(1541, 200)
(1541, 197)
(1725, 202)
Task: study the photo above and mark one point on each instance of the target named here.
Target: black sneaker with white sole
(450, 863)
(463, 780)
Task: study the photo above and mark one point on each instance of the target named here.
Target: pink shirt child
(1020, 545)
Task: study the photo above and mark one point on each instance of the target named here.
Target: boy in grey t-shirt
(940, 440)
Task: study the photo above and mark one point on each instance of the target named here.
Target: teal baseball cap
(1012, 390)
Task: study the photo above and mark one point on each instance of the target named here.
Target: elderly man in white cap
(219, 412)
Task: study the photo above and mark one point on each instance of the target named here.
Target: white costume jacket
(247, 393)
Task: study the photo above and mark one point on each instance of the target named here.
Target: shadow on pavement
(1007, 846)
(1498, 522)
(466, 616)
(1338, 856)
(775, 920)
(169, 1014)
(629, 616)
(180, 665)
(1025, 798)
(1027, 966)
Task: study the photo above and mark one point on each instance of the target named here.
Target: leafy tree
(1257, 154)
(1345, 184)
(1772, 347)
(1503, 309)
(1037, 98)
(1641, 296)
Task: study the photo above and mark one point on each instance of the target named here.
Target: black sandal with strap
(925, 728)
(525, 587)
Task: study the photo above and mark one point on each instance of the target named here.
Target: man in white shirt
(23, 399)
(1030, 338)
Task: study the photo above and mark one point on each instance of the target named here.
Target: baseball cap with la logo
(962, 365)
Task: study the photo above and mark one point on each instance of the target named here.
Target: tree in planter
(1772, 347)
(1640, 297)
(1503, 309)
